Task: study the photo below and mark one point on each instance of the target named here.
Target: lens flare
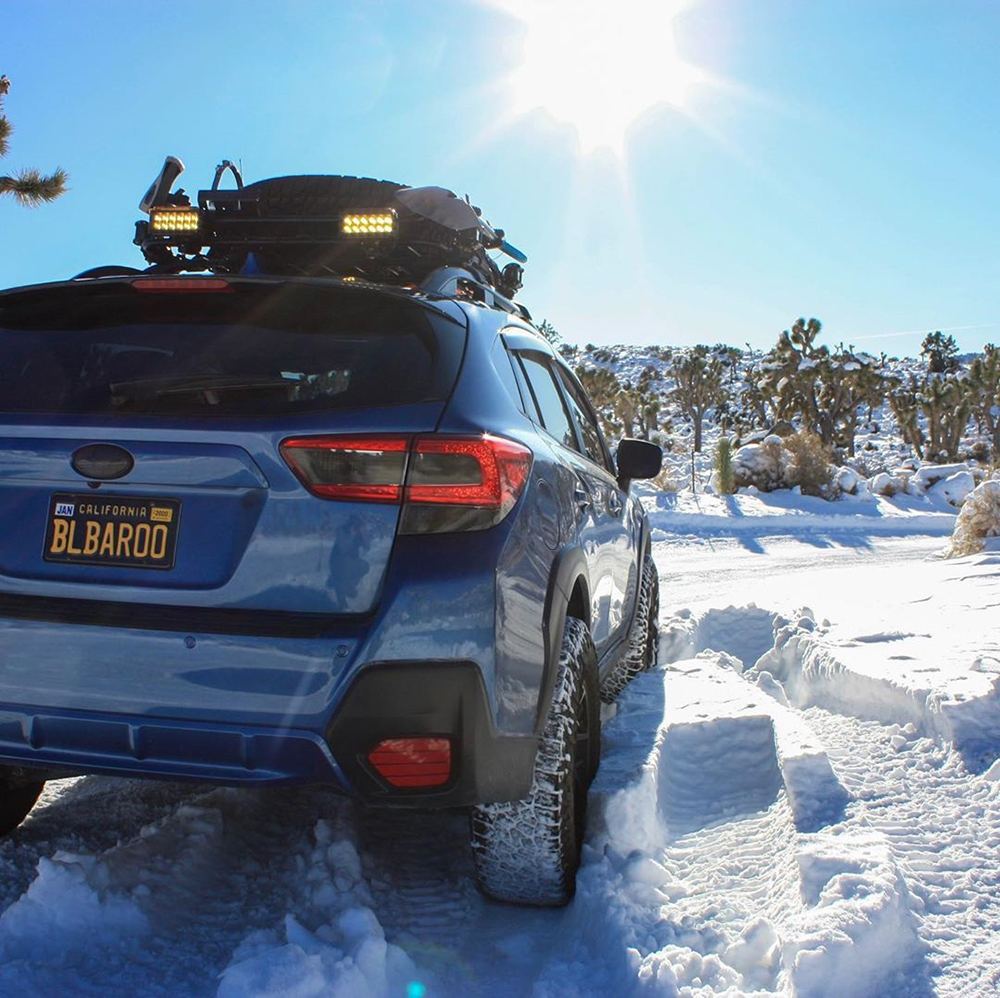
(599, 66)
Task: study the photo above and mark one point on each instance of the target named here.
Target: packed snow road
(801, 800)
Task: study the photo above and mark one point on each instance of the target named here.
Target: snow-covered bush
(800, 461)
(867, 465)
(761, 465)
(978, 519)
(885, 484)
(929, 475)
(847, 480)
(954, 489)
(809, 465)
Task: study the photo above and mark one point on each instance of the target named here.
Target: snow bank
(786, 513)
(345, 958)
(702, 812)
(70, 908)
(344, 954)
(857, 931)
(894, 676)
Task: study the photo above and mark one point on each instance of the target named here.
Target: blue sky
(842, 160)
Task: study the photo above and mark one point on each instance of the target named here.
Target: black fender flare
(568, 569)
(645, 549)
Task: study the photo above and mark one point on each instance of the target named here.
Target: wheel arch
(568, 595)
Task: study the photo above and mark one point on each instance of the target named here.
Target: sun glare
(599, 64)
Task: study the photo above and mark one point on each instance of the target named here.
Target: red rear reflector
(181, 284)
(413, 762)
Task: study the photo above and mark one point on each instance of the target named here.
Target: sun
(599, 64)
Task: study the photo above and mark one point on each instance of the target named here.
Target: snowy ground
(801, 800)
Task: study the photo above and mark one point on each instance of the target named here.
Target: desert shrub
(884, 484)
(867, 465)
(809, 465)
(846, 481)
(725, 477)
(665, 481)
(762, 465)
(978, 519)
(979, 450)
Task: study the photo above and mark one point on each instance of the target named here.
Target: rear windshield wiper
(157, 387)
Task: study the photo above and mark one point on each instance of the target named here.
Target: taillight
(445, 483)
(413, 762)
(370, 469)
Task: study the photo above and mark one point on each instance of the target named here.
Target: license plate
(117, 531)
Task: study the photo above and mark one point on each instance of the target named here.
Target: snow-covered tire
(644, 636)
(528, 851)
(17, 798)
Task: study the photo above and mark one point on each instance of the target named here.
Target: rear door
(598, 533)
(615, 504)
(198, 383)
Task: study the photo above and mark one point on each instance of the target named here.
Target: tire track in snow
(189, 887)
(943, 826)
(419, 869)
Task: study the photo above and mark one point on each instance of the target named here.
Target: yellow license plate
(116, 531)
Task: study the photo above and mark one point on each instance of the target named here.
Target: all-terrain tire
(528, 851)
(17, 797)
(644, 636)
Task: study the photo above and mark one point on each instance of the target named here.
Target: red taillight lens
(413, 762)
(446, 483)
(467, 471)
(369, 469)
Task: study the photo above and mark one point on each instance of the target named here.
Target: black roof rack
(358, 228)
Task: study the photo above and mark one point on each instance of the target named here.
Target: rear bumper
(430, 699)
(384, 701)
(82, 743)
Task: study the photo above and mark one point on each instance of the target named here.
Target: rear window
(255, 351)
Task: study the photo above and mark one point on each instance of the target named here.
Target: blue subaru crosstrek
(283, 522)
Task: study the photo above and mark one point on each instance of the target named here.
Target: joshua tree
(984, 391)
(549, 331)
(29, 187)
(941, 352)
(822, 389)
(698, 386)
(630, 410)
(945, 403)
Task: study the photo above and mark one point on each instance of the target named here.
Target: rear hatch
(140, 431)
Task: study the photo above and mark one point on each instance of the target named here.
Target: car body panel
(283, 606)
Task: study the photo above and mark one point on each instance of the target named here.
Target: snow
(803, 798)
(783, 512)
(978, 522)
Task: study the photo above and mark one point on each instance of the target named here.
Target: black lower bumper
(433, 700)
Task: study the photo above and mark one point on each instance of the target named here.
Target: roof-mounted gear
(314, 226)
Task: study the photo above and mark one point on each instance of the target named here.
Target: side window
(503, 362)
(547, 397)
(593, 442)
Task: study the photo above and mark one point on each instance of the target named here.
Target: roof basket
(320, 225)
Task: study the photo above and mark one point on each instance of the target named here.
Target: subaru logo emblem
(102, 461)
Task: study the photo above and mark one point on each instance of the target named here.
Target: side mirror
(637, 459)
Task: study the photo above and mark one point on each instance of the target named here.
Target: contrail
(925, 329)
